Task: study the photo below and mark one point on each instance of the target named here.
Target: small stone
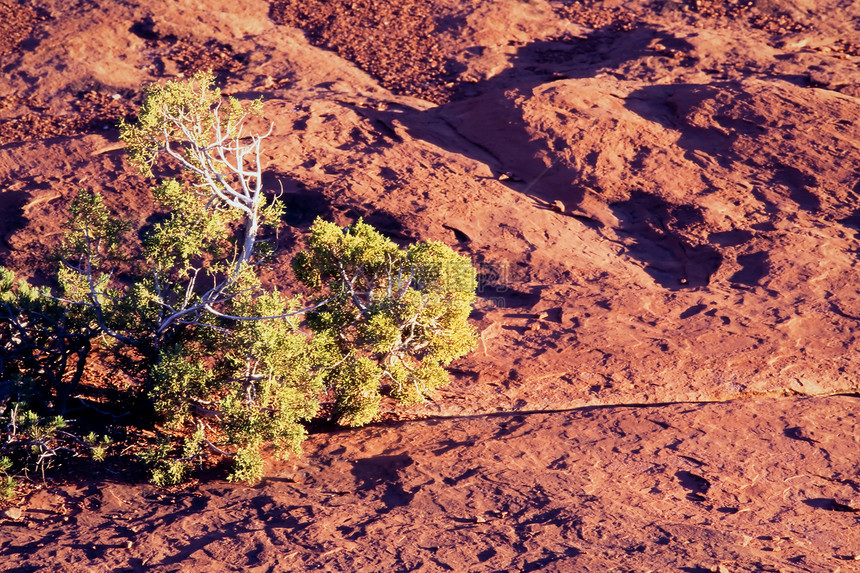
(504, 177)
(534, 326)
(480, 519)
(542, 315)
(557, 206)
(13, 513)
(129, 544)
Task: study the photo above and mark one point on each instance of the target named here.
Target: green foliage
(34, 443)
(229, 366)
(190, 123)
(7, 482)
(39, 429)
(248, 466)
(237, 381)
(396, 317)
(186, 112)
(165, 471)
(170, 465)
(98, 445)
(178, 382)
(37, 437)
(356, 382)
(93, 237)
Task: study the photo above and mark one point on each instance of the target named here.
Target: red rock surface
(694, 302)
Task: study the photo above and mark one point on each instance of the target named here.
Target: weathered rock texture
(662, 199)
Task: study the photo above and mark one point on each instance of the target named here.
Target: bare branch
(287, 315)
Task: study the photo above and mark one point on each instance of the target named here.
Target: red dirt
(691, 302)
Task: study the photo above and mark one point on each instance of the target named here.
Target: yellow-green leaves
(397, 316)
(189, 231)
(93, 234)
(359, 246)
(188, 114)
(175, 111)
(177, 380)
(357, 388)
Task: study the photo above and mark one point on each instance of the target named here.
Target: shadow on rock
(717, 123)
(485, 121)
(652, 227)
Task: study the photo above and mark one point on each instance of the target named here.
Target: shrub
(392, 317)
(226, 364)
(224, 360)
